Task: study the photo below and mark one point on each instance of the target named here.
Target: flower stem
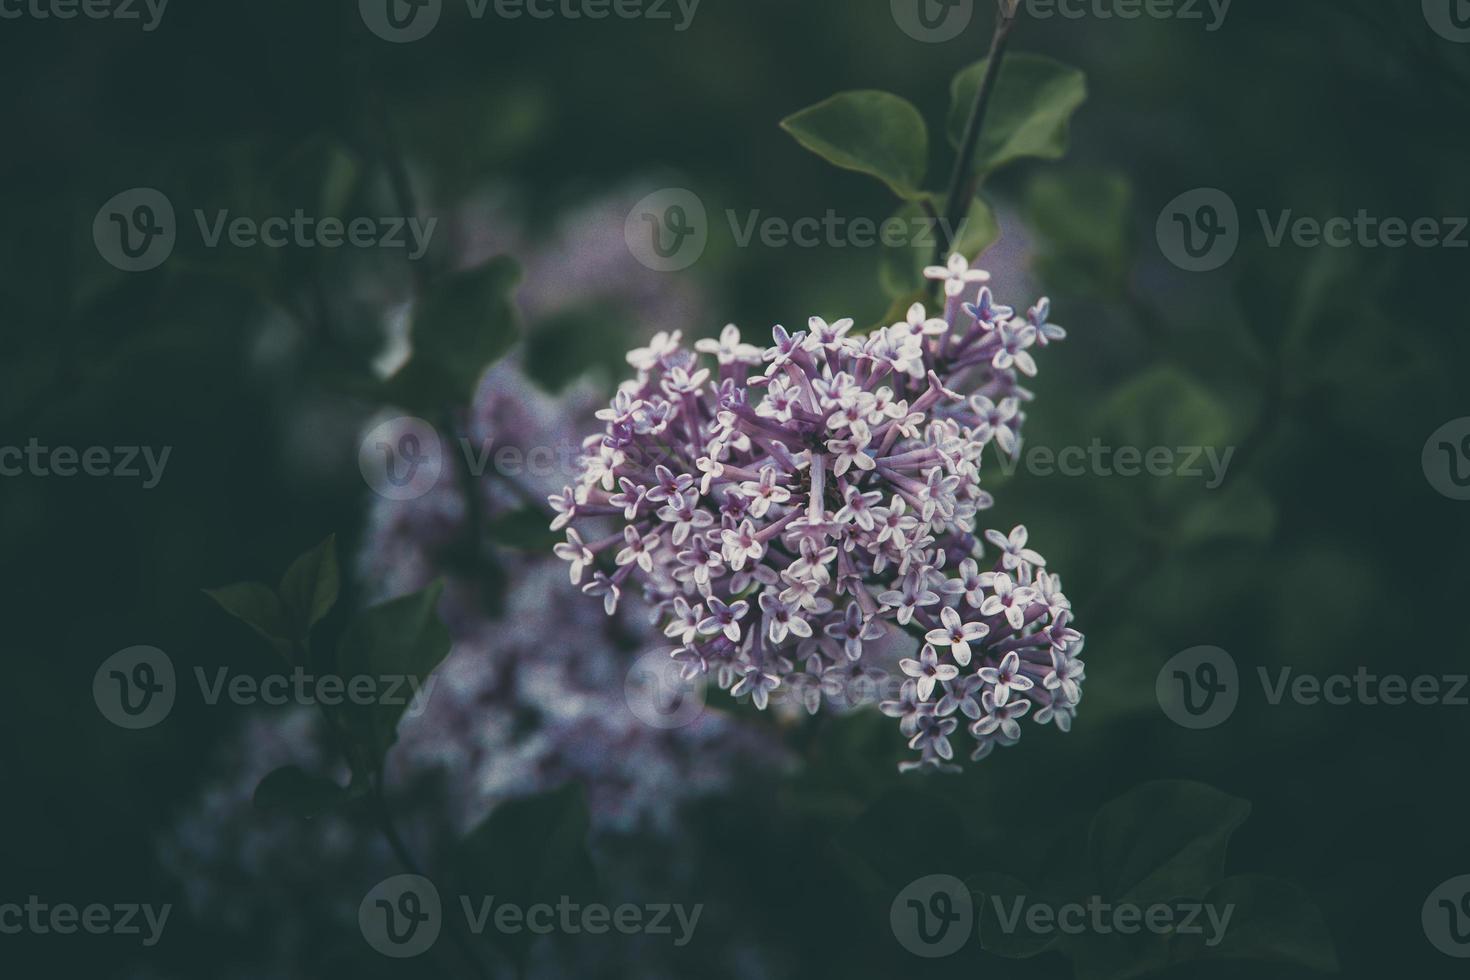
(964, 182)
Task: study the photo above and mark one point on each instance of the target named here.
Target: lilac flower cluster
(791, 504)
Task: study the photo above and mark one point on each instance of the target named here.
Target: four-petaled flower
(1006, 678)
(928, 671)
(956, 275)
(1004, 719)
(853, 630)
(575, 552)
(724, 618)
(728, 349)
(956, 635)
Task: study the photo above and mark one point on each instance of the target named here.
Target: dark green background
(1320, 107)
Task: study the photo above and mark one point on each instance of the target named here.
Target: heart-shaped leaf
(397, 645)
(1163, 841)
(310, 586)
(258, 607)
(1029, 113)
(872, 132)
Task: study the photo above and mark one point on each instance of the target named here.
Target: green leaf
(524, 529)
(872, 132)
(466, 322)
(399, 639)
(1029, 114)
(258, 607)
(566, 345)
(310, 586)
(529, 851)
(901, 268)
(1163, 841)
(1273, 920)
(1164, 406)
(1081, 221)
(998, 897)
(292, 790)
(1239, 511)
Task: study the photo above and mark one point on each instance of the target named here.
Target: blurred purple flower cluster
(785, 505)
(531, 696)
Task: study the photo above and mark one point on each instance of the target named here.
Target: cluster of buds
(787, 508)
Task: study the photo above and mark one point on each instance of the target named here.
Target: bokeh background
(1326, 550)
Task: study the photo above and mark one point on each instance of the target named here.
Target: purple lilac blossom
(782, 506)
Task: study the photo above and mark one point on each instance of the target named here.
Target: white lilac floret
(782, 507)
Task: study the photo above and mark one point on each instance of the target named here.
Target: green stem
(964, 182)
